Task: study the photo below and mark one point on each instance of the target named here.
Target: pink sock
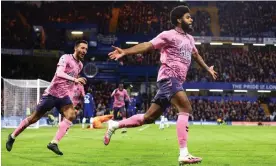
(22, 126)
(134, 121)
(63, 127)
(182, 129)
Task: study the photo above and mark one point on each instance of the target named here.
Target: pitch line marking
(141, 129)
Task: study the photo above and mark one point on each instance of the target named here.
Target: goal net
(20, 100)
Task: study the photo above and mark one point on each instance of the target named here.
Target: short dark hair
(89, 90)
(77, 43)
(121, 83)
(178, 13)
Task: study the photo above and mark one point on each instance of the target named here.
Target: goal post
(20, 100)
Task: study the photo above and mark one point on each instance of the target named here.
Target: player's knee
(187, 109)
(70, 115)
(33, 118)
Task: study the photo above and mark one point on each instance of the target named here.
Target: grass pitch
(144, 146)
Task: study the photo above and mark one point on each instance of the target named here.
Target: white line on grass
(141, 129)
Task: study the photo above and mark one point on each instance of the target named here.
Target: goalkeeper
(96, 122)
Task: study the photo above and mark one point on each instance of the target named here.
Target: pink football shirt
(77, 94)
(176, 50)
(119, 97)
(60, 87)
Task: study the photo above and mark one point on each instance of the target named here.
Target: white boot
(112, 127)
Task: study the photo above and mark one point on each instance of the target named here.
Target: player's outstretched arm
(201, 62)
(158, 42)
(139, 48)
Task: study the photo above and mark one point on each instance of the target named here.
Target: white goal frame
(38, 84)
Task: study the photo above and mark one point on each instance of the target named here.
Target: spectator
(247, 19)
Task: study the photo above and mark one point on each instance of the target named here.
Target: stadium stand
(234, 64)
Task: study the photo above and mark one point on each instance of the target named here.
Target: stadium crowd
(204, 110)
(237, 65)
(18, 18)
(28, 67)
(148, 18)
(244, 19)
(227, 110)
(247, 19)
(14, 33)
(232, 65)
(149, 58)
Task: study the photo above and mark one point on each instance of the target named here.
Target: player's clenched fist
(80, 80)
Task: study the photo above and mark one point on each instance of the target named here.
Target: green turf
(218, 145)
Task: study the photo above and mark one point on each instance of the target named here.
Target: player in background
(57, 95)
(164, 121)
(177, 48)
(132, 106)
(120, 96)
(89, 112)
(89, 107)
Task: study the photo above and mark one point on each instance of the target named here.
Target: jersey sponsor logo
(186, 52)
(121, 98)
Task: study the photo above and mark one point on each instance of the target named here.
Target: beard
(79, 55)
(81, 58)
(188, 28)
